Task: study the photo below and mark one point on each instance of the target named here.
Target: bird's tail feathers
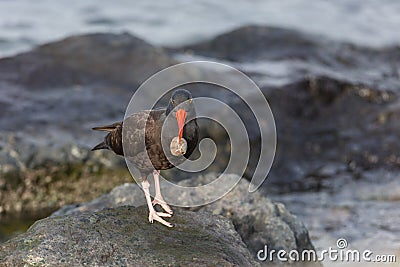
(107, 128)
(102, 145)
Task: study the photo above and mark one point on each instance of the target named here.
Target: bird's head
(181, 106)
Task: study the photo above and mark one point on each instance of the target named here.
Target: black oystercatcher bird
(143, 137)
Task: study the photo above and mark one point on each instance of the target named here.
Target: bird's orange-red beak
(181, 117)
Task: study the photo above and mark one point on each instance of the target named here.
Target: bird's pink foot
(159, 200)
(156, 216)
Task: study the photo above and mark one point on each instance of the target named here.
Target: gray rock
(258, 220)
(261, 42)
(123, 237)
(126, 194)
(334, 103)
(327, 127)
(114, 58)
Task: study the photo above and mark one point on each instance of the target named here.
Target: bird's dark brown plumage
(138, 132)
(141, 138)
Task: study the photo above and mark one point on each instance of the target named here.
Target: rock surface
(123, 237)
(258, 220)
(326, 127)
(85, 59)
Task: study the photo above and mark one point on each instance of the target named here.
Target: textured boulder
(335, 104)
(261, 42)
(123, 237)
(258, 220)
(326, 127)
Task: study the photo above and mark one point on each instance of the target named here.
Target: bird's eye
(190, 100)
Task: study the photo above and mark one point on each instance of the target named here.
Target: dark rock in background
(334, 107)
(118, 59)
(260, 42)
(326, 126)
(312, 53)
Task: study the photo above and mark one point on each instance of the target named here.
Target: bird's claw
(163, 214)
(163, 204)
(156, 216)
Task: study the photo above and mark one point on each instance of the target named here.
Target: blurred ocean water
(26, 23)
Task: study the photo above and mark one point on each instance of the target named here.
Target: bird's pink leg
(158, 199)
(153, 215)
